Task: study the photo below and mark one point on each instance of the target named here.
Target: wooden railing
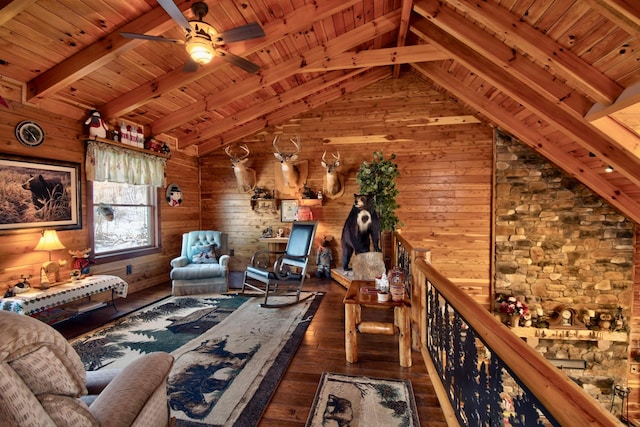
(482, 366)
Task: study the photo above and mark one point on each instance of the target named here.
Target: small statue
(81, 260)
(18, 288)
(324, 258)
(97, 126)
(267, 232)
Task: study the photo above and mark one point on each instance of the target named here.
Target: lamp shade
(49, 241)
(200, 49)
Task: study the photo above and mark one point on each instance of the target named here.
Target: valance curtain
(107, 162)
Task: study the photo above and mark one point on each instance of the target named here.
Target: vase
(396, 279)
(515, 320)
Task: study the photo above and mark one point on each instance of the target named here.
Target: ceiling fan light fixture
(200, 49)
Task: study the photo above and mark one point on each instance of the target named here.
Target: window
(123, 193)
(125, 217)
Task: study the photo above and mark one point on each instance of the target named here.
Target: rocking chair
(289, 270)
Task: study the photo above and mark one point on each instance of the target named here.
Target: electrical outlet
(232, 252)
(129, 269)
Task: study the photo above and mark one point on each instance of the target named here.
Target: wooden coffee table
(354, 300)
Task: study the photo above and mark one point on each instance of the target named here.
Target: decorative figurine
(97, 126)
(324, 258)
(81, 260)
(18, 288)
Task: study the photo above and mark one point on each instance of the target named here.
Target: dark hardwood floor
(322, 350)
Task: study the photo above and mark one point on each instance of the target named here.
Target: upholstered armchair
(44, 383)
(203, 265)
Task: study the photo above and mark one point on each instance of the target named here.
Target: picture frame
(39, 193)
(288, 210)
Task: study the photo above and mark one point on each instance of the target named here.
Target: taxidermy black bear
(361, 228)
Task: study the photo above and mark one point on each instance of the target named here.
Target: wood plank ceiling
(562, 76)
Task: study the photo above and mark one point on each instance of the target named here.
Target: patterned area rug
(347, 400)
(230, 353)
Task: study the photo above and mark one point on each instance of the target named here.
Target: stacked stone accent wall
(560, 245)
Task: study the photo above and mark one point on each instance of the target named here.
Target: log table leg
(351, 317)
(402, 320)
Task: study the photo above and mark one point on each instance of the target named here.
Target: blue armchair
(203, 265)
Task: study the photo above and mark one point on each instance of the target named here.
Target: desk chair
(289, 270)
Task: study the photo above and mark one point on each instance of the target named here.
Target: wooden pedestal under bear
(361, 228)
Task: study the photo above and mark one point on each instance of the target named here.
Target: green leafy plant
(377, 179)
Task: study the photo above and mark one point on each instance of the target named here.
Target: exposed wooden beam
(99, 53)
(294, 109)
(541, 48)
(577, 129)
(572, 166)
(378, 57)
(315, 85)
(625, 13)
(509, 59)
(407, 5)
(297, 20)
(276, 73)
(9, 9)
(630, 96)
(629, 140)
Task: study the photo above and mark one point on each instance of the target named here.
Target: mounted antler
(332, 180)
(245, 177)
(290, 172)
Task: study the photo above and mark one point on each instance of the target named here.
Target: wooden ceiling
(561, 76)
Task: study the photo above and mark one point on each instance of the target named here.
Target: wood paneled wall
(445, 182)
(445, 175)
(62, 143)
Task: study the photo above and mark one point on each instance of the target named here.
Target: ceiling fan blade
(152, 38)
(172, 10)
(243, 32)
(190, 66)
(248, 66)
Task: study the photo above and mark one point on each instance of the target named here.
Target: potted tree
(377, 179)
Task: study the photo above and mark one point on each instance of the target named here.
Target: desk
(354, 300)
(37, 300)
(275, 244)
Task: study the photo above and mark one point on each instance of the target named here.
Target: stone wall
(558, 245)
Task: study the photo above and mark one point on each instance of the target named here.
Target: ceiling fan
(201, 38)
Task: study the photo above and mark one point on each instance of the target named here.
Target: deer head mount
(289, 169)
(333, 181)
(245, 177)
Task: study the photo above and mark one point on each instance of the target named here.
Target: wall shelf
(264, 205)
(310, 202)
(534, 335)
(128, 147)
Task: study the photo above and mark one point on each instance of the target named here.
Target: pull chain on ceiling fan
(201, 38)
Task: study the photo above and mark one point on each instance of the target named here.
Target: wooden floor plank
(322, 350)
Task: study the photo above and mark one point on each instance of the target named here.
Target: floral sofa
(203, 265)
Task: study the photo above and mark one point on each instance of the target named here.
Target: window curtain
(107, 162)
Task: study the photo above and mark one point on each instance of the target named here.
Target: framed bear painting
(39, 193)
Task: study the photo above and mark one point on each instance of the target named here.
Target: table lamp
(49, 242)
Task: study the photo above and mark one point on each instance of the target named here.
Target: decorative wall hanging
(290, 174)
(288, 209)
(30, 133)
(39, 193)
(174, 195)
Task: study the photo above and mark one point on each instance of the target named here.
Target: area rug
(230, 353)
(348, 400)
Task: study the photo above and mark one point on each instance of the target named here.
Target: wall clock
(30, 133)
(567, 317)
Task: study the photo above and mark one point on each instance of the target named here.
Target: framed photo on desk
(288, 210)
